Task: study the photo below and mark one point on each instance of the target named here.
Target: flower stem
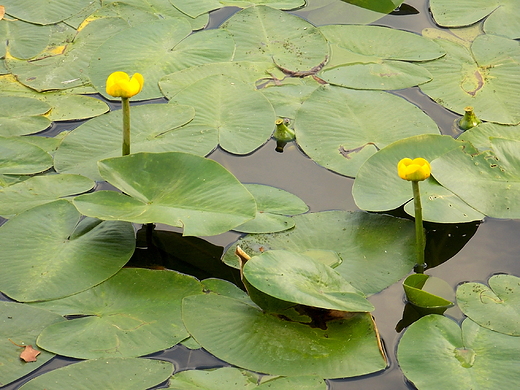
(419, 230)
(126, 125)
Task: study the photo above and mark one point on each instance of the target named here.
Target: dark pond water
(492, 248)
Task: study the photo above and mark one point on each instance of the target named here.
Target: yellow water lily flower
(119, 84)
(417, 169)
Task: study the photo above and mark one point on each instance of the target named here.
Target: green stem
(126, 125)
(419, 230)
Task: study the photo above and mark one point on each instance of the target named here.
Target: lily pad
(22, 115)
(38, 190)
(495, 307)
(156, 49)
(374, 57)
(134, 313)
(108, 374)
(22, 158)
(198, 8)
(376, 250)
(296, 278)
(44, 11)
(341, 128)
(273, 206)
(420, 294)
(259, 36)
(50, 252)
(280, 347)
(379, 188)
(174, 188)
(474, 357)
(501, 16)
(155, 128)
(21, 324)
(243, 117)
(229, 378)
(22, 40)
(481, 135)
(484, 76)
(491, 178)
(68, 67)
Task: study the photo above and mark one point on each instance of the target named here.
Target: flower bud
(119, 84)
(417, 169)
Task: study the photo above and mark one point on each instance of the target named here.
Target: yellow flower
(119, 84)
(417, 169)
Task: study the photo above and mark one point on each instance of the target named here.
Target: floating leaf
(44, 11)
(484, 76)
(223, 325)
(243, 117)
(225, 378)
(501, 16)
(491, 178)
(50, 252)
(420, 294)
(109, 374)
(67, 68)
(379, 188)
(296, 278)
(373, 57)
(155, 128)
(341, 128)
(29, 354)
(495, 307)
(177, 189)
(39, 190)
(134, 313)
(273, 205)
(200, 7)
(22, 115)
(23, 40)
(21, 158)
(481, 135)
(156, 49)
(474, 357)
(21, 324)
(258, 34)
(375, 250)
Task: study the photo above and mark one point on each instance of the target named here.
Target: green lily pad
(223, 325)
(21, 324)
(374, 57)
(44, 11)
(64, 106)
(229, 378)
(273, 206)
(21, 39)
(109, 374)
(134, 313)
(156, 49)
(38, 190)
(137, 11)
(245, 71)
(481, 135)
(243, 117)
(259, 36)
(491, 178)
(495, 307)
(22, 158)
(174, 188)
(155, 128)
(354, 125)
(69, 68)
(50, 252)
(419, 293)
(22, 115)
(484, 76)
(474, 357)
(378, 187)
(197, 8)
(296, 278)
(376, 250)
(501, 16)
